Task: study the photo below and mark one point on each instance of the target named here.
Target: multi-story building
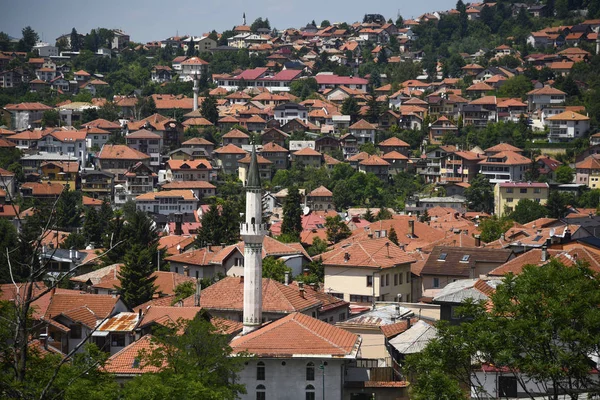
(308, 157)
(278, 155)
(588, 172)
(508, 194)
(375, 165)
(505, 166)
(63, 172)
(118, 158)
(363, 131)
(146, 142)
(460, 166)
(139, 179)
(320, 199)
(23, 115)
(167, 202)
(441, 127)
(98, 184)
(191, 170)
(547, 96)
(368, 270)
(567, 126)
(228, 156)
(72, 143)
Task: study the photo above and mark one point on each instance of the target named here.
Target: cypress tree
(135, 276)
(292, 214)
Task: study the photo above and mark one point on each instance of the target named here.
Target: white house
(567, 126)
(167, 202)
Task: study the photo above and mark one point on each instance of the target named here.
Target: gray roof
(463, 289)
(414, 339)
(253, 174)
(385, 315)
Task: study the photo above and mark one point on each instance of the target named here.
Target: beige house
(320, 199)
(508, 194)
(308, 157)
(368, 270)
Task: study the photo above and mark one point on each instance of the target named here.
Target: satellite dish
(552, 232)
(306, 210)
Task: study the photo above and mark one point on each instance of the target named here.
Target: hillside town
(326, 205)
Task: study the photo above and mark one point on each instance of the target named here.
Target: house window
(436, 282)
(117, 340)
(537, 190)
(523, 190)
(310, 371)
(261, 392)
(442, 257)
(395, 279)
(407, 277)
(509, 200)
(260, 371)
(310, 392)
(369, 280)
(75, 331)
(509, 190)
(342, 316)
(465, 258)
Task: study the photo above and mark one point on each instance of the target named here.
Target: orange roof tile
(119, 151)
(127, 361)
(374, 160)
(369, 253)
(393, 142)
(298, 334)
(230, 149)
(178, 165)
(307, 151)
(182, 194)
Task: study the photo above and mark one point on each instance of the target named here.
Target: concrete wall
(288, 382)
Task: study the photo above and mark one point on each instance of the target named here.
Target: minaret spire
(253, 232)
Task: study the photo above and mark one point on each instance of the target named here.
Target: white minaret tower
(253, 231)
(196, 89)
(598, 41)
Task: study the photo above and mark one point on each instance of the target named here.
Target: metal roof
(414, 339)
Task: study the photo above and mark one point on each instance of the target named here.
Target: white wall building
(167, 202)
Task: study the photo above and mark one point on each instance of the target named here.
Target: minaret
(196, 89)
(244, 19)
(598, 41)
(253, 232)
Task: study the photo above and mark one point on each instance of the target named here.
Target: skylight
(442, 257)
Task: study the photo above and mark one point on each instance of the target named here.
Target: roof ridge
(299, 323)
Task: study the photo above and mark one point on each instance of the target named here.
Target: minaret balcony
(247, 229)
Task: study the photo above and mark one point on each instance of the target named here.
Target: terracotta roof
(374, 160)
(43, 189)
(72, 303)
(307, 151)
(369, 253)
(198, 257)
(64, 166)
(228, 294)
(27, 107)
(321, 191)
(259, 158)
(363, 155)
(230, 149)
(546, 90)
(273, 147)
(188, 185)
(393, 142)
(189, 165)
(182, 194)
(590, 162)
(515, 266)
(503, 147)
(509, 158)
(481, 86)
(394, 155)
(362, 124)
(298, 334)
(81, 73)
(198, 142)
(119, 151)
(127, 361)
(142, 134)
(236, 133)
(330, 160)
(458, 261)
(194, 61)
(568, 116)
(197, 122)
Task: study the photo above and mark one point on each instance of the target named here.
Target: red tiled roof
(119, 151)
(228, 294)
(27, 107)
(177, 165)
(230, 149)
(236, 133)
(273, 147)
(321, 191)
(127, 361)
(369, 253)
(394, 142)
(374, 160)
(197, 142)
(362, 124)
(298, 334)
(100, 305)
(307, 151)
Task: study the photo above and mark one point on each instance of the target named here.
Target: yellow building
(508, 194)
(63, 172)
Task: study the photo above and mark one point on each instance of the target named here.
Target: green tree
(292, 214)
(29, 39)
(336, 229)
(93, 226)
(527, 210)
(350, 107)
(50, 119)
(325, 24)
(492, 228)
(260, 23)
(275, 269)
(145, 107)
(373, 109)
(183, 291)
(304, 87)
(543, 324)
(109, 111)
(135, 276)
(393, 236)
(75, 40)
(208, 109)
(368, 148)
(318, 246)
(384, 213)
(210, 232)
(589, 199)
(191, 49)
(194, 365)
(68, 209)
(480, 196)
(517, 86)
(4, 41)
(8, 241)
(564, 174)
(556, 204)
(368, 215)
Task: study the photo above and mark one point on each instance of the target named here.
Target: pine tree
(230, 223)
(292, 214)
(210, 233)
(191, 50)
(368, 215)
(393, 236)
(350, 107)
(75, 40)
(135, 276)
(208, 109)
